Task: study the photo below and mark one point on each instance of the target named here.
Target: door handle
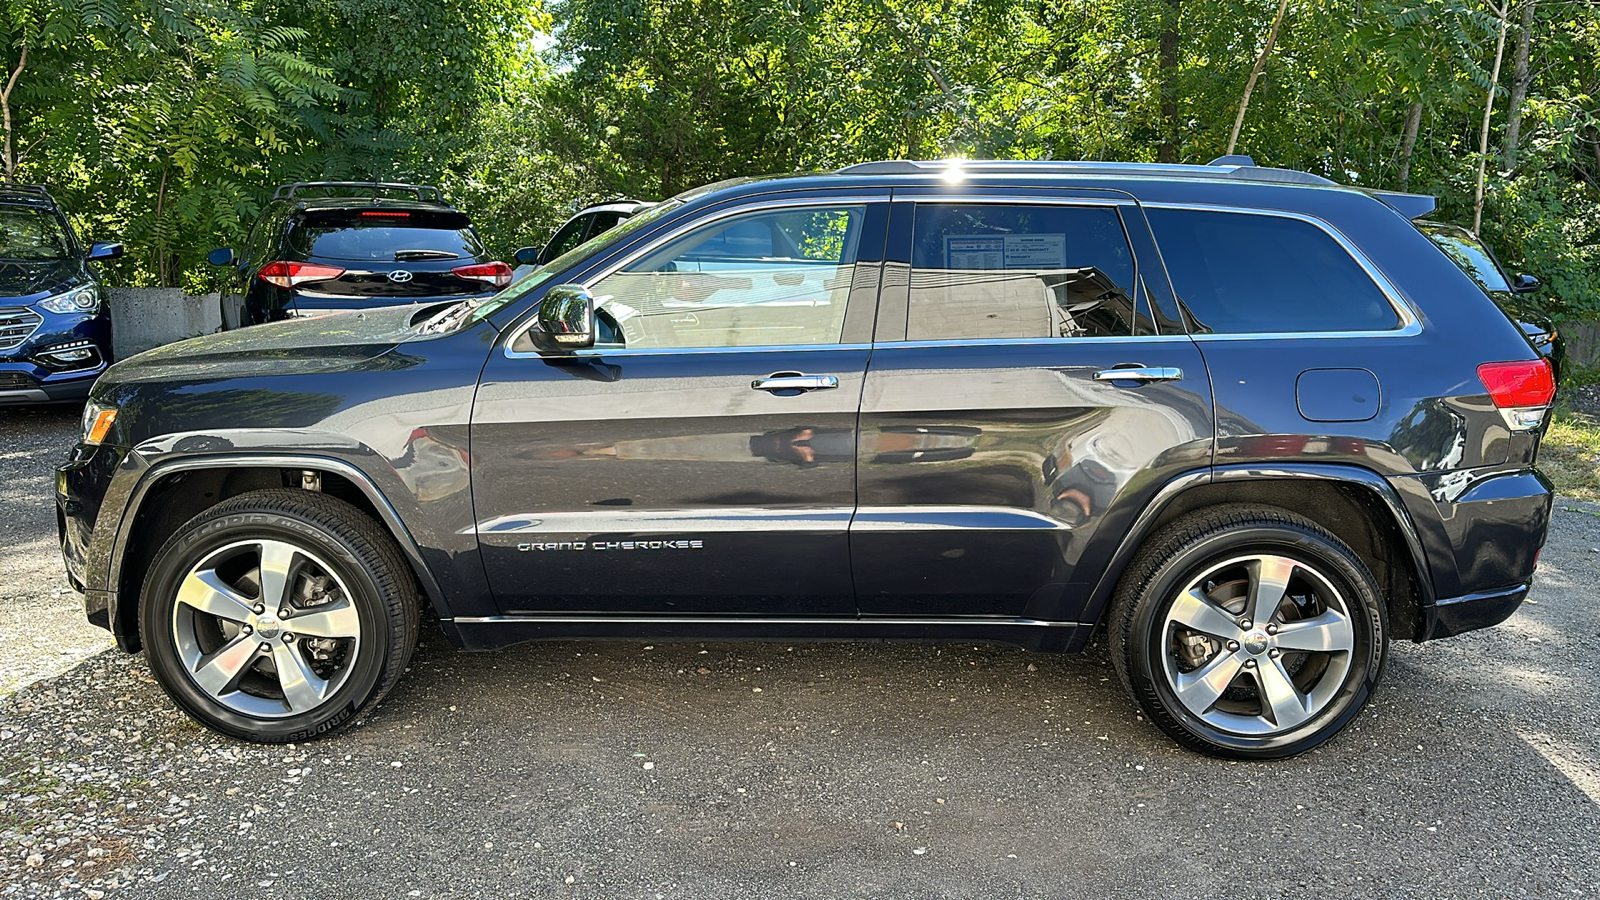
(1141, 374)
(794, 381)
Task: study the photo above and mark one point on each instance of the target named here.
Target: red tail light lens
(1515, 385)
(497, 274)
(384, 214)
(288, 274)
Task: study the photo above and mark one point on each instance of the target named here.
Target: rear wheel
(279, 615)
(1248, 632)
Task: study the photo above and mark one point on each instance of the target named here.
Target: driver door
(703, 462)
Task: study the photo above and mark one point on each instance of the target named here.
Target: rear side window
(383, 236)
(1019, 271)
(1246, 273)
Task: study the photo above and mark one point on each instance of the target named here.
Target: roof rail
(32, 190)
(1222, 168)
(1233, 159)
(421, 191)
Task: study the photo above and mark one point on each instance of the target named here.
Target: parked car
(55, 327)
(590, 221)
(323, 247)
(1509, 293)
(1246, 425)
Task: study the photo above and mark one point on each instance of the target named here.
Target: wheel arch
(178, 490)
(1357, 504)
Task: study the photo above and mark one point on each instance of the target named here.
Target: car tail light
(288, 274)
(497, 274)
(1521, 390)
(384, 214)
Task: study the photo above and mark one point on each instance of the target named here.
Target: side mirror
(566, 318)
(1524, 284)
(527, 256)
(99, 250)
(222, 256)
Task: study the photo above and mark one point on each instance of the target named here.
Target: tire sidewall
(201, 538)
(1147, 640)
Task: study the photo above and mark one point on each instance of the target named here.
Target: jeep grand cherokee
(1248, 425)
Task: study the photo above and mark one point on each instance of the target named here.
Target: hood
(293, 347)
(24, 282)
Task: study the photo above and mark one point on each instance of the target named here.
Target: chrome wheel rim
(1257, 645)
(265, 628)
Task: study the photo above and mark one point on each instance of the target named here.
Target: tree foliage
(167, 122)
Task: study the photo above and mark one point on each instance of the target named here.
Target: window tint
(769, 278)
(417, 236)
(1244, 273)
(1014, 271)
(1472, 258)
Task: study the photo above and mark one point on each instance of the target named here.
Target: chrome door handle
(794, 381)
(1141, 374)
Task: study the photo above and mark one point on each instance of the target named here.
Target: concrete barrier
(142, 318)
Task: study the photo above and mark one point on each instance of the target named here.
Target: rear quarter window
(1250, 273)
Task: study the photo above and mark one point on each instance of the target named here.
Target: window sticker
(1008, 251)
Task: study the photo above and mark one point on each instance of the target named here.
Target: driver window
(770, 278)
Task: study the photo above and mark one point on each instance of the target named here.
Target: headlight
(97, 421)
(76, 300)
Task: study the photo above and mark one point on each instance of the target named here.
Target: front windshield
(565, 261)
(31, 234)
(1472, 258)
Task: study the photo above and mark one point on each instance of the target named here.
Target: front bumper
(28, 374)
(89, 507)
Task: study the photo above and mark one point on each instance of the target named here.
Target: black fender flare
(153, 475)
(1100, 598)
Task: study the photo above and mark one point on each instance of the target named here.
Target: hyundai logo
(400, 276)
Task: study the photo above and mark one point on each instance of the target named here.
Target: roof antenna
(1235, 160)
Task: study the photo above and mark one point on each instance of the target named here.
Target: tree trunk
(1250, 85)
(1169, 84)
(161, 241)
(1503, 12)
(1408, 143)
(5, 108)
(1519, 87)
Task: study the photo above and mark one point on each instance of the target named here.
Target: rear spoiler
(1412, 206)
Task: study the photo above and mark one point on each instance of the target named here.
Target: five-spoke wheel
(277, 615)
(1248, 632)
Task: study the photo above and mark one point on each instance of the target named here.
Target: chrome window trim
(1075, 341)
(683, 351)
(1410, 322)
(522, 327)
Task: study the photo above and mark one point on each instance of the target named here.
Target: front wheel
(278, 615)
(1248, 632)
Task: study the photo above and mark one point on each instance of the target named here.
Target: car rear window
(1254, 273)
(379, 235)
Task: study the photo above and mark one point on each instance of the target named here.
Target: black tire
(334, 545)
(1150, 650)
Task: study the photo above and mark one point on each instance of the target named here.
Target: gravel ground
(42, 629)
(633, 770)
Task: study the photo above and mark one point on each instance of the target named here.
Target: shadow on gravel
(758, 770)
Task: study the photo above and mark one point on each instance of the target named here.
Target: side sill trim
(490, 632)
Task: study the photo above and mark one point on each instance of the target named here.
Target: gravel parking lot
(634, 770)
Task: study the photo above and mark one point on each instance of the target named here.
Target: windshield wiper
(404, 255)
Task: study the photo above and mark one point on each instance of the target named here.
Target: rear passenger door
(1030, 387)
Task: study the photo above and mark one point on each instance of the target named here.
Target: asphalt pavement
(686, 770)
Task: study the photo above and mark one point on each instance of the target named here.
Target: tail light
(384, 214)
(288, 274)
(497, 274)
(1522, 391)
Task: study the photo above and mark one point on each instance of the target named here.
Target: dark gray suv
(1243, 424)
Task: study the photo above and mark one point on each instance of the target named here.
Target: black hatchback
(332, 246)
